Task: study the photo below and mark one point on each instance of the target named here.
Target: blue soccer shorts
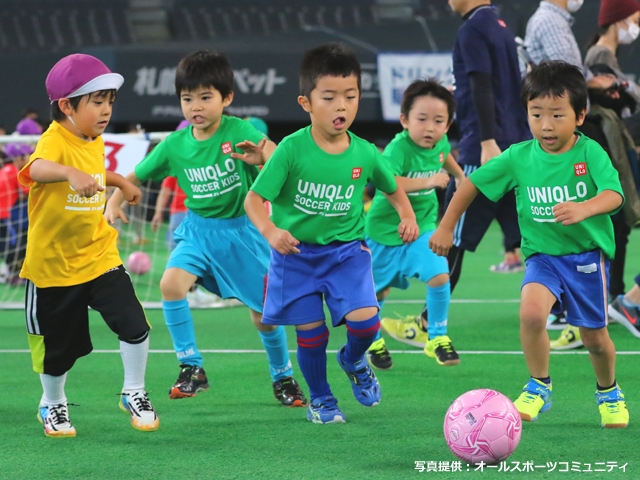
(579, 282)
(339, 273)
(394, 265)
(229, 256)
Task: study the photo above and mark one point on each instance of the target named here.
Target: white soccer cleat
(143, 416)
(55, 419)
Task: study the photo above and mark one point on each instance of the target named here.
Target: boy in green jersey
(416, 156)
(315, 181)
(217, 246)
(566, 188)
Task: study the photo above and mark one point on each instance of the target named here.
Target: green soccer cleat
(442, 350)
(406, 330)
(534, 399)
(613, 408)
(568, 339)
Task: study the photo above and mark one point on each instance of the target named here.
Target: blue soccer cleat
(325, 410)
(364, 383)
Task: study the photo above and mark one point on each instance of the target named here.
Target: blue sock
(438, 299)
(275, 343)
(360, 336)
(312, 359)
(179, 321)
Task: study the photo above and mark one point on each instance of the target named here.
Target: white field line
(395, 352)
(158, 305)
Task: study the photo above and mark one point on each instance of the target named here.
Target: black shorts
(475, 222)
(58, 318)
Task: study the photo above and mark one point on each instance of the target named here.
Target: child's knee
(595, 340)
(174, 287)
(362, 314)
(439, 280)
(532, 317)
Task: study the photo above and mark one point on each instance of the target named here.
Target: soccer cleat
(407, 330)
(364, 383)
(534, 399)
(325, 410)
(511, 267)
(613, 408)
(442, 350)
(55, 419)
(627, 316)
(556, 322)
(191, 380)
(379, 356)
(568, 339)
(289, 393)
(143, 416)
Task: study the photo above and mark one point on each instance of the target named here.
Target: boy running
(566, 189)
(416, 157)
(216, 245)
(315, 181)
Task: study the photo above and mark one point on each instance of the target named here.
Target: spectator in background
(618, 22)
(549, 35)
(13, 217)
(28, 126)
(491, 118)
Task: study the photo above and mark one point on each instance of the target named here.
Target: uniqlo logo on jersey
(441, 157)
(226, 148)
(355, 173)
(580, 169)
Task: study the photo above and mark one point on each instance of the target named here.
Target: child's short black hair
(556, 78)
(429, 87)
(332, 59)
(58, 115)
(204, 69)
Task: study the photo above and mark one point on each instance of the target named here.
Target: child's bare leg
(602, 353)
(536, 303)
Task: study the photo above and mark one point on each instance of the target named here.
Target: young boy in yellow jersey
(72, 262)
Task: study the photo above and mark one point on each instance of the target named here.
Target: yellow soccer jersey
(69, 240)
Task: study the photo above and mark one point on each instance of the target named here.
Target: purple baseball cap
(183, 124)
(79, 74)
(28, 126)
(13, 150)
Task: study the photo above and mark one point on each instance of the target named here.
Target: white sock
(53, 389)
(134, 359)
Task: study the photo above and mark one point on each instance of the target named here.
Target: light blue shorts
(579, 282)
(229, 257)
(393, 266)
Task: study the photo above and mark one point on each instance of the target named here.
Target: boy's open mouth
(339, 122)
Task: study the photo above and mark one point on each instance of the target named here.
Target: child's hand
(441, 241)
(439, 180)
(569, 213)
(156, 221)
(408, 230)
(252, 153)
(83, 183)
(113, 212)
(282, 241)
(131, 193)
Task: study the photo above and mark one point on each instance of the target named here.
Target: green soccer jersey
(406, 159)
(318, 196)
(215, 184)
(541, 181)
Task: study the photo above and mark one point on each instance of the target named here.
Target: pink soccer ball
(482, 426)
(138, 263)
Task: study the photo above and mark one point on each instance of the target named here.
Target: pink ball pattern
(482, 426)
(138, 263)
